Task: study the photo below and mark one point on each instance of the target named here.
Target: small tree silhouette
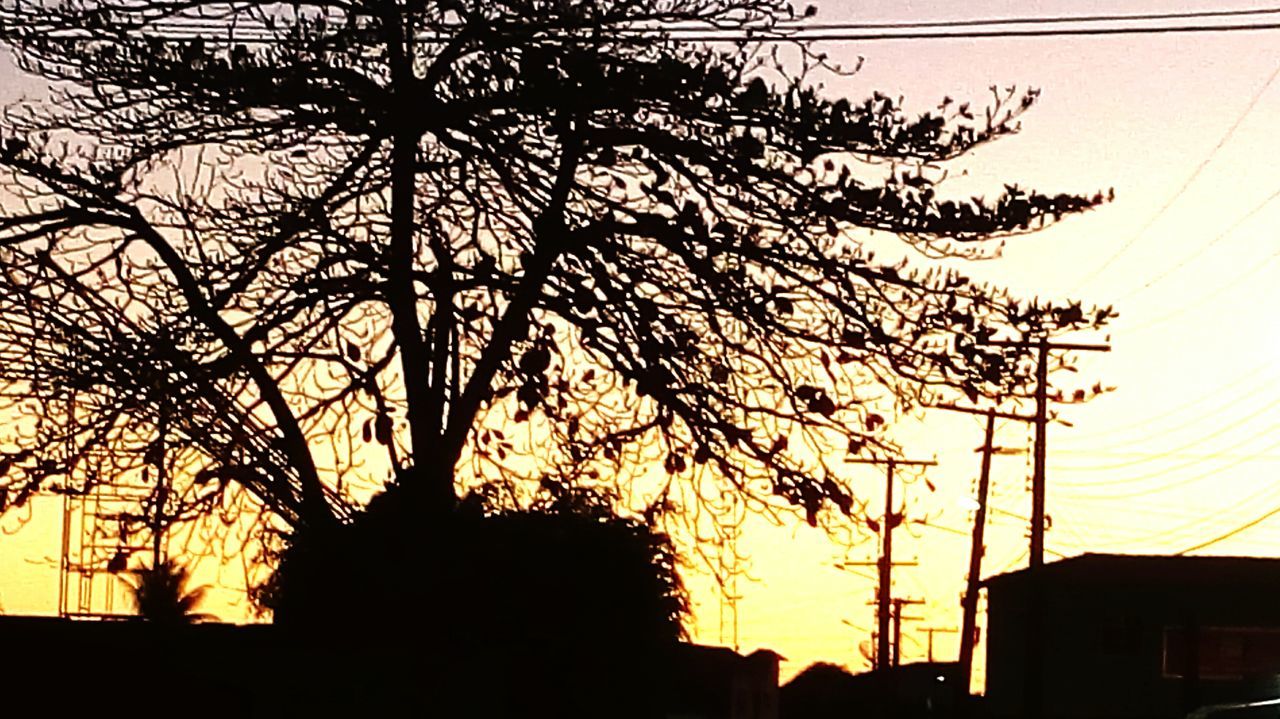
(161, 594)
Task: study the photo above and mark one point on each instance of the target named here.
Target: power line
(1205, 247)
(1209, 405)
(1078, 542)
(1172, 533)
(1221, 401)
(835, 32)
(1202, 439)
(1157, 454)
(1195, 174)
(652, 29)
(1234, 283)
(1238, 530)
(1181, 482)
(1085, 499)
(865, 36)
(1176, 510)
(1010, 565)
(943, 528)
(1055, 19)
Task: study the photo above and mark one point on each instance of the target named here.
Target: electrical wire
(1010, 20)
(931, 525)
(1201, 518)
(1205, 247)
(805, 25)
(184, 29)
(1183, 482)
(1159, 454)
(1186, 184)
(1178, 510)
(1268, 407)
(1231, 402)
(1234, 283)
(1238, 530)
(872, 36)
(1026, 554)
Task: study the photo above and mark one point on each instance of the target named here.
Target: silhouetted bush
(161, 594)
(556, 608)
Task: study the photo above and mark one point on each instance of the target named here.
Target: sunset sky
(1185, 451)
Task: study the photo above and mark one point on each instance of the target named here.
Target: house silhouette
(1128, 636)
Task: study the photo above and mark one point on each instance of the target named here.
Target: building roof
(1150, 570)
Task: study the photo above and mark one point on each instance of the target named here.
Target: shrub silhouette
(161, 594)
(559, 607)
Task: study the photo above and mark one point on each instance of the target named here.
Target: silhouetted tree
(328, 237)
(161, 594)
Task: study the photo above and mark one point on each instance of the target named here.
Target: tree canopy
(291, 251)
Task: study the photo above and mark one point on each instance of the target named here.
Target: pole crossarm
(984, 412)
(895, 462)
(1076, 346)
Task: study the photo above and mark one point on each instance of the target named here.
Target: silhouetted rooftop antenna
(97, 540)
(729, 570)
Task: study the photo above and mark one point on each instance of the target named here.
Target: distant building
(1134, 636)
(911, 691)
(719, 683)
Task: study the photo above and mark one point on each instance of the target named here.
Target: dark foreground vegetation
(561, 607)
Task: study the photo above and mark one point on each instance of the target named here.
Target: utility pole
(969, 623)
(930, 631)
(1038, 478)
(885, 563)
(898, 604)
(878, 660)
(1033, 690)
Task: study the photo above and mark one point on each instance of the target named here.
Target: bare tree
(281, 248)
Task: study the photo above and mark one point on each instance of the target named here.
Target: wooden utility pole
(878, 661)
(1039, 485)
(930, 631)
(885, 563)
(1033, 691)
(969, 624)
(898, 604)
(1038, 477)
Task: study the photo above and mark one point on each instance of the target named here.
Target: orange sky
(1182, 453)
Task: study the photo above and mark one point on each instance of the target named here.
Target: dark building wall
(131, 668)
(718, 683)
(95, 668)
(1106, 621)
(911, 691)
